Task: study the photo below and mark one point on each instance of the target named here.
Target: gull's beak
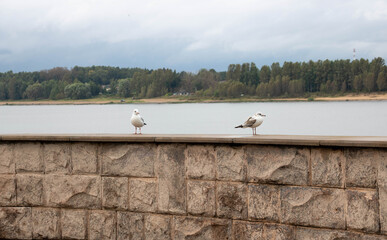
(263, 115)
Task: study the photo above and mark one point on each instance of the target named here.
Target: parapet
(192, 186)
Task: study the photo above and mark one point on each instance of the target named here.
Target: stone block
(363, 210)
(7, 164)
(115, 192)
(158, 227)
(73, 224)
(361, 167)
(73, 191)
(28, 157)
(327, 167)
(45, 222)
(382, 186)
(143, 194)
(383, 208)
(30, 189)
(231, 200)
(57, 158)
(15, 223)
(200, 162)
(282, 165)
(171, 176)
(201, 228)
(264, 202)
(201, 198)
(7, 190)
(231, 164)
(326, 234)
(279, 232)
(320, 207)
(102, 225)
(247, 231)
(84, 158)
(130, 226)
(135, 160)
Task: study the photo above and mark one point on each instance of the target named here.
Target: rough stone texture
(326, 234)
(264, 202)
(7, 190)
(57, 158)
(157, 227)
(73, 191)
(171, 176)
(382, 185)
(320, 207)
(15, 223)
(45, 223)
(231, 164)
(327, 167)
(115, 192)
(122, 204)
(201, 162)
(102, 225)
(73, 224)
(284, 165)
(7, 164)
(29, 189)
(231, 200)
(201, 198)
(130, 226)
(201, 228)
(84, 158)
(383, 208)
(28, 157)
(136, 160)
(279, 232)
(361, 167)
(247, 231)
(143, 195)
(363, 210)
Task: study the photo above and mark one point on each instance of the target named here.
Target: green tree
(123, 88)
(265, 74)
(358, 83)
(235, 89)
(369, 82)
(275, 70)
(16, 88)
(3, 91)
(34, 91)
(262, 90)
(381, 82)
(78, 91)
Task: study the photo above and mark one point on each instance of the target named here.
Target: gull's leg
(252, 130)
(255, 131)
(135, 130)
(140, 130)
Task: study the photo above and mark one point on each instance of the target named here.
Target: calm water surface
(300, 118)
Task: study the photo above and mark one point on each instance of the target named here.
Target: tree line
(292, 79)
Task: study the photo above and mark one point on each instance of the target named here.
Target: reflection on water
(300, 118)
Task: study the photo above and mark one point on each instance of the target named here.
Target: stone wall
(101, 190)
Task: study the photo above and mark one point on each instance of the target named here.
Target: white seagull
(253, 122)
(137, 121)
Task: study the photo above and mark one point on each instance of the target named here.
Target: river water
(368, 118)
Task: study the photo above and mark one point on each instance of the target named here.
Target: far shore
(172, 99)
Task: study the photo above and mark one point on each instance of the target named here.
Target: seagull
(137, 121)
(253, 122)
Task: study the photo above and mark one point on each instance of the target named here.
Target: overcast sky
(187, 35)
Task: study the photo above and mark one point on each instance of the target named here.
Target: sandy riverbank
(349, 97)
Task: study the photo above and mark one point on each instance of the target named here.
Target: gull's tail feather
(240, 126)
(144, 123)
